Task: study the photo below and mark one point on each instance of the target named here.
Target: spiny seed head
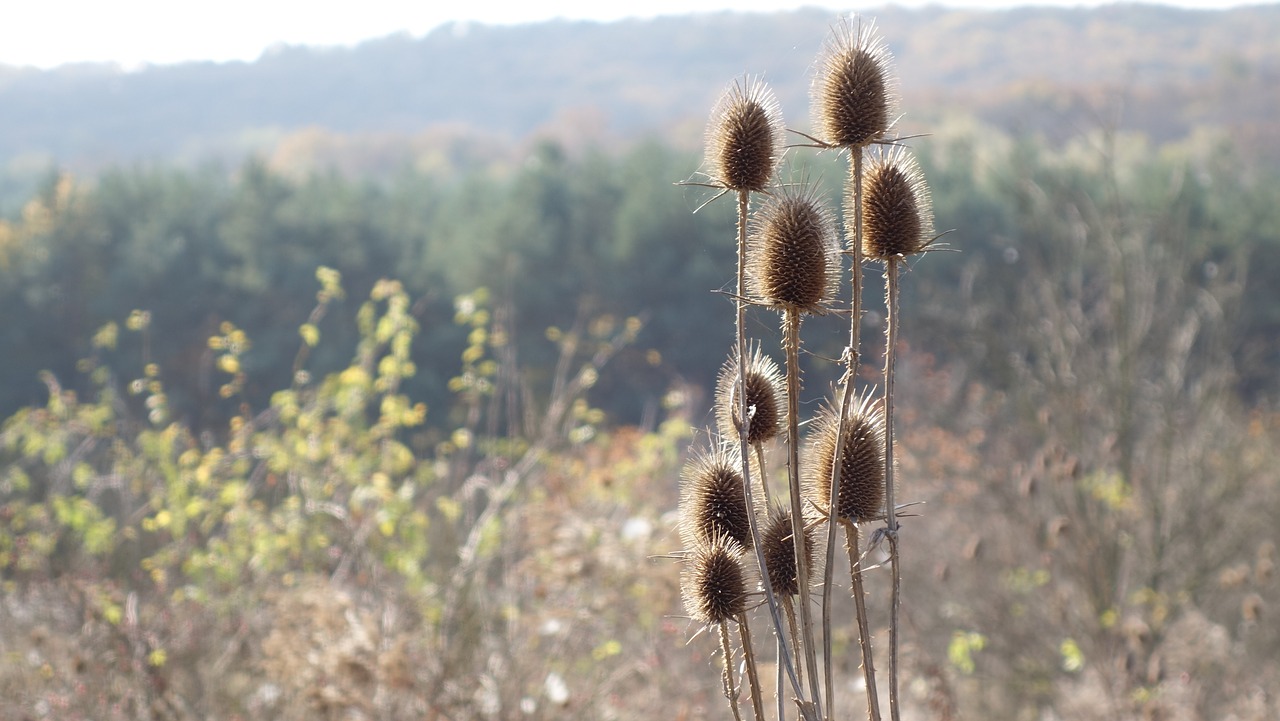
(853, 90)
(766, 397)
(713, 501)
(780, 551)
(897, 214)
(745, 136)
(861, 484)
(793, 258)
(714, 582)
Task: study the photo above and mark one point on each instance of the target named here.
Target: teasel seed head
(745, 137)
(853, 94)
(713, 501)
(861, 490)
(793, 258)
(714, 581)
(766, 398)
(779, 551)
(897, 210)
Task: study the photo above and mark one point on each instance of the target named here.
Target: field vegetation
(304, 444)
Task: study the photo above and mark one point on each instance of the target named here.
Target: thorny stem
(782, 707)
(784, 656)
(753, 676)
(864, 633)
(764, 481)
(851, 359)
(789, 607)
(726, 650)
(891, 511)
(791, 329)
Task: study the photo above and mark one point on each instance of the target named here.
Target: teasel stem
(753, 676)
(864, 627)
(791, 332)
(784, 655)
(726, 649)
(759, 448)
(891, 513)
(851, 358)
(782, 707)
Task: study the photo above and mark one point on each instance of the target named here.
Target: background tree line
(558, 235)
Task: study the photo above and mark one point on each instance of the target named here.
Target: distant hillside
(1041, 70)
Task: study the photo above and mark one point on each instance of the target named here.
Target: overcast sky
(46, 33)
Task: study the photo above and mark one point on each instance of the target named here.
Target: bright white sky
(46, 33)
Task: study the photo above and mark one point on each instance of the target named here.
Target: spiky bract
(853, 91)
(712, 498)
(714, 582)
(860, 496)
(766, 398)
(745, 137)
(793, 260)
(897, 210)
(776, 540)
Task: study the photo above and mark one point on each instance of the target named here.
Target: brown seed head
(712, 499)
(714, 582)
(780, 551)
(766, 397)
(861, 485)
(793, 260)
(853, 91)
(896, 210)
(745, 136)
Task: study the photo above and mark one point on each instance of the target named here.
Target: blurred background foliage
(293, 440)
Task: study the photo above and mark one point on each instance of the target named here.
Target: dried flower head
(776, 540)
(745, 136)
(861, 490)
(853, 90)
(714, 582)
(793, 258)
(713, 501)
(897, 211)
(766, 398)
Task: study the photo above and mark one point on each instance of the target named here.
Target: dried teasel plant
(765, 397)
(896, 207)
(853, 93)
(861, 475)
(789, 260)
(899, 223)
(715, 587)
(743, 150)
(793, 259)
(790, 568)
(778, 539)
(745, 137)
(763, 404)
(857, 441)
(713, 498)
(793, 266)
(854, 99)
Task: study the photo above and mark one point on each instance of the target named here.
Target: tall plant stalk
(891, 514)
(784, 655)
(791, 334)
